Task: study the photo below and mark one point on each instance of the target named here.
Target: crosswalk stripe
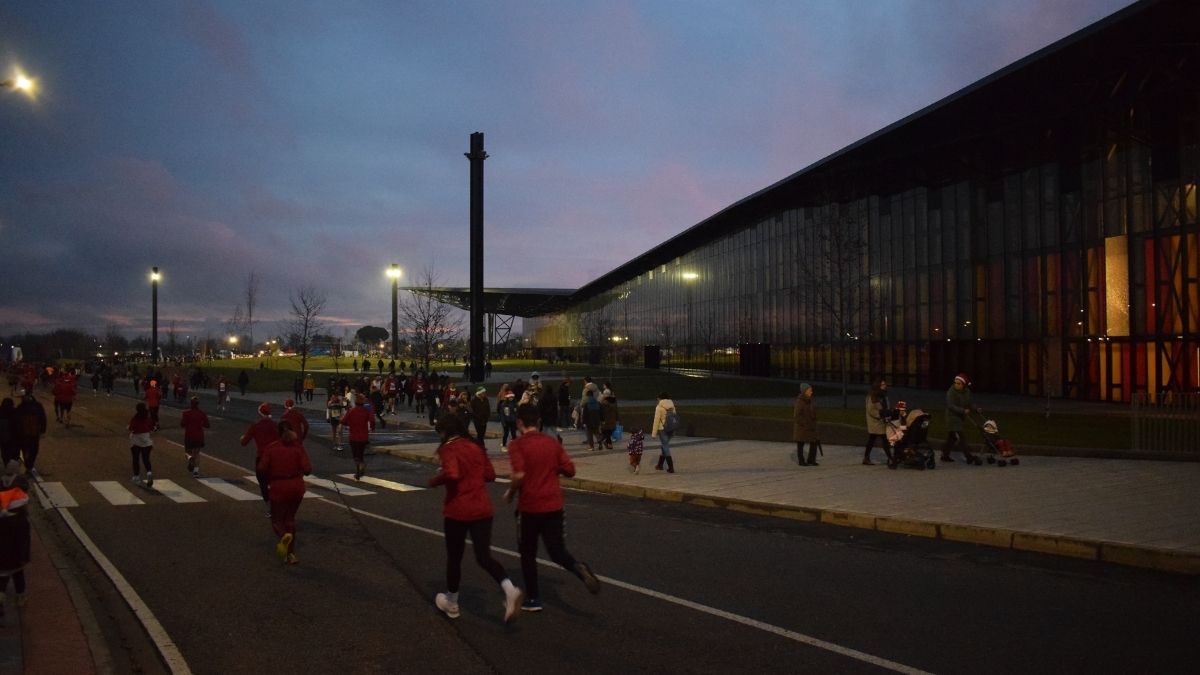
(230, 490)
(307, 494)
(173, 491)
(58, 495)
(391, 485)
(348, 490)
(115, 493)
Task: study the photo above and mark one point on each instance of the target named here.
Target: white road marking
(166, 647)
(229, 489)
(56, 495)
(712, 611)
(389, 484)
(347, 490)
(172, 490)
(254, 479)
(115, 493)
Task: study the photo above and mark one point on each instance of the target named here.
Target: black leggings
(136, 453)
(456, 545)
(548, 526)
(18, 582)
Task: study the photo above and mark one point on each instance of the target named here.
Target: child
(635, 450)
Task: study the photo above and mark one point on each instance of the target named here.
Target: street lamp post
(394, 273)
(154, 277)
(19, 83)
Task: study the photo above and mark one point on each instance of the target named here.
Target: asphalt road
(687, 589)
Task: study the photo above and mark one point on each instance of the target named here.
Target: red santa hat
(962, 377)
(289, 404)
(265, 410)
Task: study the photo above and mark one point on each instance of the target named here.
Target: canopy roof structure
(522, 302)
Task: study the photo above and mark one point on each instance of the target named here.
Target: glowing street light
(394, 273)
(20, 82)
(154, 277)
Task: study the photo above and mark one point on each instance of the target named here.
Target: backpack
(671, 423)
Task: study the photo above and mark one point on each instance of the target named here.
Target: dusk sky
(318, 142)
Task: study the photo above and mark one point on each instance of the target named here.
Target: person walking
(506, 410)
(8, 443)
(958, 405)
(804, 426)
(877, 412)
(222, 393)
(285, 463)
(29, 423)
(564, 404)
(360, 423)
(14, 531)
(465, 470)
(591, 418)
(537, 462)
(310, 385)
(666, 419)
(194, 422)
(548, 410)
(298, 387)
(243, 381)
(295, 419)
(608, 420)
(263, 432)
(334, 407)
(481, 412)
(140, 444)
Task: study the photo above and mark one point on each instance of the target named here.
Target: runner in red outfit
(285, 463)
(360, 422)
(537, 462)
(295, 419)
(194, 422)
(263, 433)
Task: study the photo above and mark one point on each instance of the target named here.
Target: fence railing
(1166, 422)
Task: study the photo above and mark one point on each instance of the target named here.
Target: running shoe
(137, 480)
(531, 605)
(512, 603)
(589, 579)
(149, 479)
(196, 472)
(281, 549)
(442, 601)
(291, 559)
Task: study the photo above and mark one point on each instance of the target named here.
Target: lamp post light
(394, 273)
(19, 83)
(154, 277)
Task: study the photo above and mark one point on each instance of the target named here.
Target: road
(687, 589)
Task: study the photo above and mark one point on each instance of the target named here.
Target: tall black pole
(477, 155)
(154, 315)
(395, 274)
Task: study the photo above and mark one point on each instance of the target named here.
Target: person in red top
(64, 397)
(153, 399)
(140, 444)
(194, 422)
(465, 472)
(285, 463)
(295, 419)
(537, 462)
(263, 433)
(360, 422)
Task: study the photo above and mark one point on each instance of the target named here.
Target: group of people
(886, 423)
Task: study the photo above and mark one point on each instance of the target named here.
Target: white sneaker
(149, 479)
(512, 603)
(137, 480)
(504, 448)
(196, 472)
(443, 603)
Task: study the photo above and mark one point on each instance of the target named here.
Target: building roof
(522, 302)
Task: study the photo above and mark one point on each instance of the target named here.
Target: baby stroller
(999, 451)
(908, 432)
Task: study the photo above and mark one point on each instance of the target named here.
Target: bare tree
(172, 339)
(838, 279)
(596, 327)
(114, 341)
(236, 324)
(305, 321)
(251, 301)
(430, 320)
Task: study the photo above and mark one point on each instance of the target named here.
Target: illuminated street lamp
(154, 277)
(394, 273)
(20, 83)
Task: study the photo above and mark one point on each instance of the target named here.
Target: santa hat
(265, 410)
(962, 377)
(289, 404)
(901, 405)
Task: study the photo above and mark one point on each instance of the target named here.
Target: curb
(1163, 560)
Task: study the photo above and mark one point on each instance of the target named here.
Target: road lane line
(170, 654)
(116, 494)
(348, 490)
(57, 495)
(229, 489)
(173, 491)
(712, 611)
(389, 484)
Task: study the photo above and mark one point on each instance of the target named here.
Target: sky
(317, 142)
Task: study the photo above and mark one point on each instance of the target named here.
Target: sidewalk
(1130, 512)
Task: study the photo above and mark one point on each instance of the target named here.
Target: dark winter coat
(804, 420)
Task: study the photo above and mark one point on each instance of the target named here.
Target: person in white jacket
(659, 428)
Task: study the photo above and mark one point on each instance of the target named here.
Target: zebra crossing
(209, 488)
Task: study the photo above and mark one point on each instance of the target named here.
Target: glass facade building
(1037, 230)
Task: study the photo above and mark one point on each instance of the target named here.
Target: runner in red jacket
(537, 462)
(194, 422)
(360, 422)
(263, 433)
(465, 472)
(295, 419)
(285, 463)
(153, 399)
